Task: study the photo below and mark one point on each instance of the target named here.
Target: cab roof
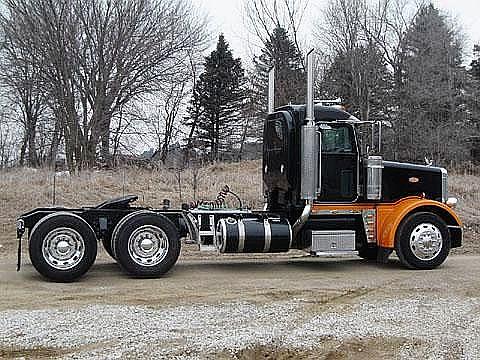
(322, 113)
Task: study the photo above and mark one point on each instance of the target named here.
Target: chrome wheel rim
(148, 245)
(63, 248)
(426, 241)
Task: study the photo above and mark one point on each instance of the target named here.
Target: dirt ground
(248, 307)
(288, 306)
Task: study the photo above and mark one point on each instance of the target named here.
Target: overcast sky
(226, 17)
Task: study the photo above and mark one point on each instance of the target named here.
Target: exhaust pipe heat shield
(310, 167)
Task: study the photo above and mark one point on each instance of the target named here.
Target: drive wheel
(422, 241)
(147, 245)
(62, 247)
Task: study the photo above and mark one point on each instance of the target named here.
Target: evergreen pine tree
(281, 52)
(474, 94)
(475, 65)
(432, 57)
(431, 93)
(219, 96)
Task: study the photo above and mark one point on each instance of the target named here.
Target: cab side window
(337, 140)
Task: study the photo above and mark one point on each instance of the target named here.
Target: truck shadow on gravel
(244, 267)
(35, 353)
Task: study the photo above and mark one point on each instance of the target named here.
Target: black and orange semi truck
(323, 195)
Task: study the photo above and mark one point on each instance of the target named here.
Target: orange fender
(389, 216)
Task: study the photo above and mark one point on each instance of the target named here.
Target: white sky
(226, 17)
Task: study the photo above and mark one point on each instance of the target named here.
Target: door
(339, 163)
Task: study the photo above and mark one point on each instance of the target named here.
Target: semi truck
(323, 194)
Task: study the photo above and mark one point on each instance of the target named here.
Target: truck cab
(340, 165)
(362, 204)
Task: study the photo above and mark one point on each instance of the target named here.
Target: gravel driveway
(273, 307)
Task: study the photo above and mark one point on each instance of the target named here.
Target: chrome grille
(444, 185)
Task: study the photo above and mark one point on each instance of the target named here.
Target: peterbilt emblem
(413, 180)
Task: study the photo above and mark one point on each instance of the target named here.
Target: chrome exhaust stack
(271, 90)
(310, 185)
(310, 151)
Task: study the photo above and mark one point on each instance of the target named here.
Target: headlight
(452, 202)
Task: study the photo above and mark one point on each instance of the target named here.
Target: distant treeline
(92, 80)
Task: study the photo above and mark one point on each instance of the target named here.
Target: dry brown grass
(24, 189)
(467, 190)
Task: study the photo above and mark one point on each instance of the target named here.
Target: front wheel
(146, 244)
(422, 241)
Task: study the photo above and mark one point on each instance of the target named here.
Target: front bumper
(456, 236)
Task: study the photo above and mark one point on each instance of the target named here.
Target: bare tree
(347, 30)
(20, 77)
(164, 123)
(100, 55)
(9, 141)
(195, 109)
(385, 25)
(263, 16)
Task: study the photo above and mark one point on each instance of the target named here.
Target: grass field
(24, 189)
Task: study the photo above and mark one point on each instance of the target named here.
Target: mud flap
(20, 232)
(19, 252)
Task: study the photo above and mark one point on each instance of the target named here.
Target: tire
(146, 245)
(368, 253)
(107, 245)
(422, 241)
(62, 247)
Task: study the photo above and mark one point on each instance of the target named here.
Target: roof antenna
(271, 89)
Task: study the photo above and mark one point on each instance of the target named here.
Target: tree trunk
(23, 149)
(32, 154)
(217, 135)
(52, 156)
(105, 144)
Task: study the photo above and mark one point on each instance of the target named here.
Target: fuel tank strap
(268, 235)
(241, 236)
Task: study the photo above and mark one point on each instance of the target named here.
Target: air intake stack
(271, 90)
(311, 141)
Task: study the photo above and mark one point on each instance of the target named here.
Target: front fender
(390, 216)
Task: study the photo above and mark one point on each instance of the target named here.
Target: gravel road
(249, 307)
